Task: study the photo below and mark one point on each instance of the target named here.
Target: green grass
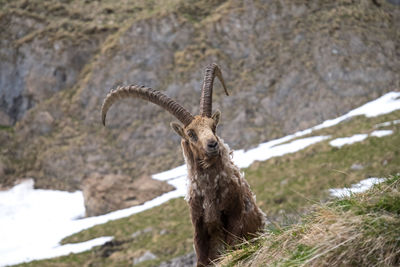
(298, 255)
(6, 128)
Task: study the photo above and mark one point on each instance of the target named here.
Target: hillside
(288, 65)
(287, 187)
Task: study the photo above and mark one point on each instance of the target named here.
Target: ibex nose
(212, 144)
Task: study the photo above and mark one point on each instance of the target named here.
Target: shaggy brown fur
(222, 206)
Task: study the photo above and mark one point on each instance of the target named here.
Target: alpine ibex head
(198, 132)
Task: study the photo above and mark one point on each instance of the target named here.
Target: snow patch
(387, 123)
(339, 142)
(381, 133)
(383, 105)
(33, 222)
(266, 151)
(172, 173)
(36, 253)
(360, 187)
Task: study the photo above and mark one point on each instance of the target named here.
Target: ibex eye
(192, 135)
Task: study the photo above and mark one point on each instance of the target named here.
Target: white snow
(170, 174)
(383, 105)
(360, 187)
(381, 133)
(387, 123)
(30, 217)
(37, 253)
(268, 150)
(33, 222)
(339, 142)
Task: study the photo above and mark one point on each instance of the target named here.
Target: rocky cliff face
(288, 65)
(34, 67)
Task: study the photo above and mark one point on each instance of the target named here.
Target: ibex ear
(178, 129)
(216, 116)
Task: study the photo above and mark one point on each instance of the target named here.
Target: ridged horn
(149, 94)
(211, 71)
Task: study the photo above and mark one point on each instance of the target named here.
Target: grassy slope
(360, 230)
(289, 184)
(285, 187)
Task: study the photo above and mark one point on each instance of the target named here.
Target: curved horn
(154, 96)
(212, 70)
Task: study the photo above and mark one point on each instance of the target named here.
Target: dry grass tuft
(361, 230)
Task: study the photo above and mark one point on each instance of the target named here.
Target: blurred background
(288, 65)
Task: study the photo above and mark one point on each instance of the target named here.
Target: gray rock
(140, 232)
(2, 169)
(163, 231)
(188, 260)
(356, 167)
(394, 2)
(32, 71)
(145, 257)
(105, 193)
(43, 123)
(5, 119)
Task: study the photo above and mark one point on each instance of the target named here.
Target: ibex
(222, 206)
